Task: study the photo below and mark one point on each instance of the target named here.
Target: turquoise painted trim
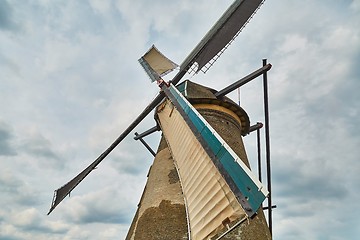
(248, 188)
(243, 178)
(213, 142)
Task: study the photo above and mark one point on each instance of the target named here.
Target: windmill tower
(186, 195)
(200, 185)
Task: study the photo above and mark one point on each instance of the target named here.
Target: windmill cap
(198, 94)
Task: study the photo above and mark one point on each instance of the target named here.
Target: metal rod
(255, 127)
(267, 143)
(232, 228)
(243, 81)
(267, 208)
(147, 132)
(259, 151)
(145, 144)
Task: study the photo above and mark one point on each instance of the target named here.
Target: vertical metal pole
(267, 142)
(259, 153)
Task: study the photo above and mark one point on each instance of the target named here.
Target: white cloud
(26, 218)
(102, 7)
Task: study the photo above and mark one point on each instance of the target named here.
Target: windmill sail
(217, 185)
(222, 34)
(65, 190)
(155, 64)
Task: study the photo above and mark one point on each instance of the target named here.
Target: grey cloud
(40, 226)
(102, 206)
(6, 148)
(5, 236)
(127, 165)
(40, 148)
(308, 180)
(10, 64)
(103, 215)
(36, 146)
(132, 158)
(16, 191)
(30, 220)
(6, 16)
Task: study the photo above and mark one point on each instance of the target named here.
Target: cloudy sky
(70, 83)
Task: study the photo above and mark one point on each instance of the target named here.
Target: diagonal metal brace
(145, 144)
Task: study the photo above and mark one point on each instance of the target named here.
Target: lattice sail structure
(221, 35)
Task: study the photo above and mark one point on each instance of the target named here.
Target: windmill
(216, 192)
